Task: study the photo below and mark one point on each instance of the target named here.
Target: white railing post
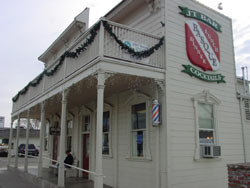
(61, 178)
(101, 40)
(40, 162)
(27, 142)
(17, 141)
(100, 97)
(10, 143)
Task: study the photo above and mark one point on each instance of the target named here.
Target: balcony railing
(103, 45)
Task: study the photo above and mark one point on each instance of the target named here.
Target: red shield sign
(202, 44)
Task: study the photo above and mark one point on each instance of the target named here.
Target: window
(86, 124)
(247, 108)
(69, 133)
(106, 131)
(205, 105)
(206, 123)
(138, 129)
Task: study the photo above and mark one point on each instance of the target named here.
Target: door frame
(81, 133)
(55, 150)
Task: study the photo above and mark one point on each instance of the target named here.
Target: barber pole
(156, 113)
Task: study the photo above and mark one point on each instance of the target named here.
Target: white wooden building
(100, 83)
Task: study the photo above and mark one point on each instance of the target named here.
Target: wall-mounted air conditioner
(210, 151)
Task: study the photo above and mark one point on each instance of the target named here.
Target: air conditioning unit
(210, 151)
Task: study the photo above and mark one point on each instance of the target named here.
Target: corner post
(61, 178)
(10, 144)
(17, 142)
(98, 183)
(27, 142)
(40, 162)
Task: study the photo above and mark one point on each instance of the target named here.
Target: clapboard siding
(181, 88)
(178, 161)
(145, 20)
(131, 171)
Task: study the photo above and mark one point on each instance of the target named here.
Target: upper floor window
(106, 133)
(138, 129)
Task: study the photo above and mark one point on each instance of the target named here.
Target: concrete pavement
(16, 178)
(12, 179)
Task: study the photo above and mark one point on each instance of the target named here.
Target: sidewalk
(17, 178)
(12, 179)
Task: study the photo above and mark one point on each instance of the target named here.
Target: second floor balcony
(105, 41)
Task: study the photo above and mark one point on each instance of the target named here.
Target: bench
(69, 172)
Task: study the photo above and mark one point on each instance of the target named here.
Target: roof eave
(79, 22)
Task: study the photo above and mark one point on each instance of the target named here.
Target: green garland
(82, 48)
(131, 51)
(67, 54)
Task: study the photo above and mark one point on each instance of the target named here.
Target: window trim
(83, 123)
(71, 135)
(86, 111)
(109, 107)
(138, 98)
(109, 132)
(207, 98)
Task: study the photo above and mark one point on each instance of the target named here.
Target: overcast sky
(28, 27)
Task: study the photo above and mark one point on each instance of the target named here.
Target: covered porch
(83, 87)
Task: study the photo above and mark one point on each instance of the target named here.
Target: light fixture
(220, 6)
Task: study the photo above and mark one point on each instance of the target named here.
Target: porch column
(17, 142)
(61, 178)
(10, 144)
(40, 161)
(100, 93)
(27, 142)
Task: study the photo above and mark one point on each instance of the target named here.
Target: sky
(28, 27)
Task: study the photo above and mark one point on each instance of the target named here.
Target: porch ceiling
(85, 92)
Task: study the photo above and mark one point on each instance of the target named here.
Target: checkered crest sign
(202, 45)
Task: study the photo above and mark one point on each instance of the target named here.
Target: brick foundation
(239, 175)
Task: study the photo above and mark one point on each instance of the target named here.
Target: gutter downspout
(247, 84)
(244, 81)
(166, 130)
(242, 127)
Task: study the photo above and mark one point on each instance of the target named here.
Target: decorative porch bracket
(160, 85)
